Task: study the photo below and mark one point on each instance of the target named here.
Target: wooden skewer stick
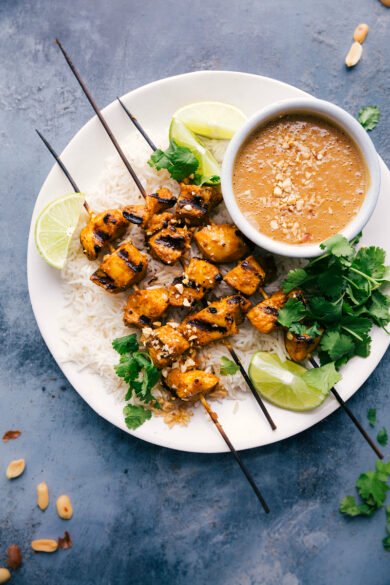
(62, 167)
(138, 125)
(214, 417)
(228, 345)
(343, 405)
(102, 119)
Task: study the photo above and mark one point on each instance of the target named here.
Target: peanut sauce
(299, 179)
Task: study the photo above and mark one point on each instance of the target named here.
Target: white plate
(85, 155)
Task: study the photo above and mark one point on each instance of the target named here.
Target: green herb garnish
(178, 160)
(228, 368)
(138, 371)
(371, 416)
(382, 437)
(343, 296)
(372, 488)
(369, 117)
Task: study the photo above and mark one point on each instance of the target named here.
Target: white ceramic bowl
(327, 111)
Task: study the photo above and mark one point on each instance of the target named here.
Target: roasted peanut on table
(47, 545)
(15, 468)
(14, 556)
(64, 507)
(354, 55)
(5, 575)
(42, 495)
(361, 32)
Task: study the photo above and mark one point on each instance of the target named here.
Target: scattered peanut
(42, 495)
(14, 556)
(15, 468)
(64, 507)
(361, 32)
(354, 55)
(5, 575)
(46, 545)
(386, 3)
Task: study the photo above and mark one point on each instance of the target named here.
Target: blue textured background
(145, 515)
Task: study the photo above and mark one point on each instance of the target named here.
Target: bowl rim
(308, 106)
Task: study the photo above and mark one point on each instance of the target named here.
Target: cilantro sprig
(228, 368)
(344, 297)
(138, 371)
(178, 160)
(372, 487)
(369, 117)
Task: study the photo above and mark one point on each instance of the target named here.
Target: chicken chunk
(189, 384)
(218, 320)
(146, 306)
(141, 214)
(194, 203)
(199, 277)
(135, 214)
(101, 229)
(246, 277)
(160, 221)
(164, 344)
(264, 316)
(299, 347)
(169, 244)
(121, 269)
(221, 243)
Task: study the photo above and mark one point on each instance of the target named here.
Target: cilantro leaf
(323, 378)
(350, 507)
(371, 416)
(386, 543)
(379, 308)
(370, 261)
(339, 246)
(383, 469)
(357, 326)
(372, 489)
(228, 368)
(125, 344)
(312, 330)
(128, 369)
(295, 278)
(294, 310)
(331, 281)
(178, 160)
(135, 416)
(324, 310)
(382, 437)
(201, 180)
(336, 344)
(369, 117)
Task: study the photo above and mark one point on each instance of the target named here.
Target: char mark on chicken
(102, 229)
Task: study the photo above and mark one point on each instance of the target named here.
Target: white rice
(91, 318)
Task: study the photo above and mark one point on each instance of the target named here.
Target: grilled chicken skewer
(213, 415)
(221, 243)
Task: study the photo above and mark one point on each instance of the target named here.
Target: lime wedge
(208, 166)
(211, 119)
(55, 226)
(282, 384)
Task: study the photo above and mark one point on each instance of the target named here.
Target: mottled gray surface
(145, 515)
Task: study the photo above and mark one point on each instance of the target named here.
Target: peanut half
(361, 32)
(14, 556)
(386, 3)
(15, 468)
(42, 495)
(5, 575)
(64, 507)
(354, 55)
(46, 545)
